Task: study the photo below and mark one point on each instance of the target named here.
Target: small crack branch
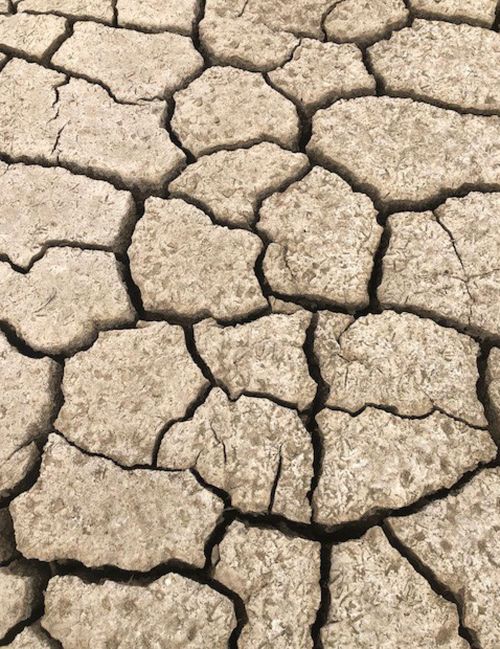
(435, 584)
(277, 477)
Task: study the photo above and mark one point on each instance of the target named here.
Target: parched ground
(249, 324)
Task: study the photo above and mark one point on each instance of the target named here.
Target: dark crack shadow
(325, 600)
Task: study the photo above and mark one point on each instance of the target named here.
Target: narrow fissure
(439, 588)
(325, 601)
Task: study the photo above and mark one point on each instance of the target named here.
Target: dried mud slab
(303, 17)
(364, 21)
(262, 358)
(256, 451)
(158, 15)
(480, 12)
(4, 7)
(452, 65)
(19, 593)
(377, 461)
(458, 538)
(172, 612)
(42, 207)
(126, 388)
(185, 265)
(34, 36)
(101, 10)
(278, 580)
(226, 108)
(71, 294)
(378, 600)
(133, 65)
(399, 361)
(26, 406)
(244, 43)
(319, 73)
(493, 386)
(28, 110)
(231, 184)
(85, 508)
(447, 263)
(33, 638)
(323, 238)
(405, 152)
(119, 142)
(7, 541)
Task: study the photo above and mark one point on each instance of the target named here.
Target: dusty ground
(250, 324)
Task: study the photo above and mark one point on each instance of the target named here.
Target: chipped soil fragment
(230, 184)
(377, 461)
(263, 358)
(185, 265)
(172, 612)
(278, 579)
(319, 73)
(323, 238)
(364, 21)
(378, 600)
(226, 108)
(401, 362)
(20, 586)
(134, 66)
(458, 538)
(132, 519)
(447, 263)
(26, 407)
(126, 388)
(33, 637)
(452, 65)
(71, 294)
(41, 207)
(31, 35)
(405, 152)
(256, 451)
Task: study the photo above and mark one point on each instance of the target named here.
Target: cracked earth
(250, 324)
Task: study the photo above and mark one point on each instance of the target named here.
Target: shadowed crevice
(325, 601)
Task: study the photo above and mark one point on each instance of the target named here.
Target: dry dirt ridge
(249, 324)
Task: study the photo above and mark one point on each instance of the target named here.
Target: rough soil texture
(378, 600)
(172, 611)
(185, 265)
(322, 240)
(459, 540)
(445, 262)
(249, 324)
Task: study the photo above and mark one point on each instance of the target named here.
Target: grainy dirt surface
(249, 324)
